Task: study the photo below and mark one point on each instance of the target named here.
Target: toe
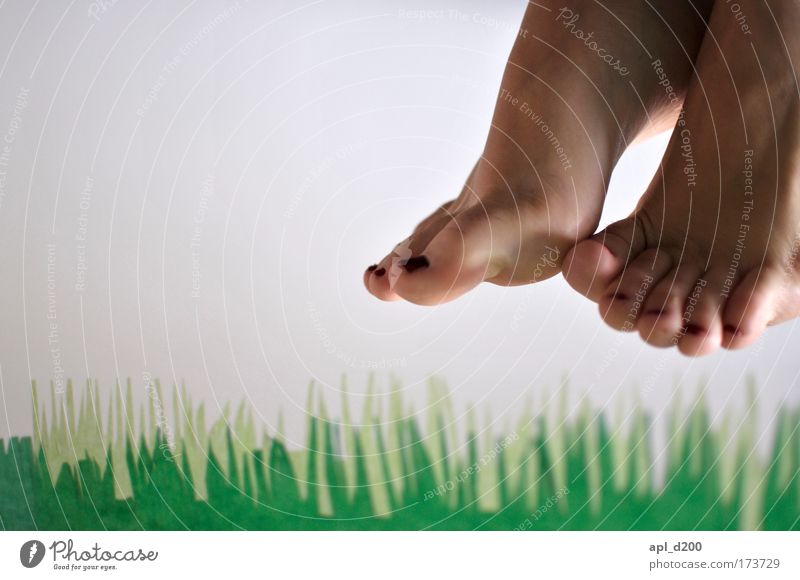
(621, 302)
(702, 330)
(379, 278)
(661, 320)
(593, 264)
(751, 307)
(472, 247)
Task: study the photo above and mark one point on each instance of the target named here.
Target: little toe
(621, 303)
(593, 264)
(751, 307)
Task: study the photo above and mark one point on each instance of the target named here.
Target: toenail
(695, 330)
(416, 263)
(654, 312)
(372, 268)
(620, 296)
(380, 271)
(731, 329)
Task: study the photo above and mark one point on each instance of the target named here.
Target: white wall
(294, 143)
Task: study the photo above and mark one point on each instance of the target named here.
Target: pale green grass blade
(38, 433)
(783, 447)
(434, 440)
(218, 439)
(195, 445)
(325, 505)
(516, 450)
(123, 487)
(620, 454)
(349, 440)
(698, 424)
(753, 473)
(488, 484)
(379, 498)
(594, 474)
(727, 461)
(677, 433)
(395, 437)
(642, 463)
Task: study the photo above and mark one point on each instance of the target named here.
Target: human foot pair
(709, 257)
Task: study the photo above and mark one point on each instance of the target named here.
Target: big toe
(442, 262)
(593, 264)
(380, 278)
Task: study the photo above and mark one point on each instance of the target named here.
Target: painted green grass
(122, 466)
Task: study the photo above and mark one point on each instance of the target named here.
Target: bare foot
(582, 83)
(709, 258)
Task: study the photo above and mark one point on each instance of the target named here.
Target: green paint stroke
(115, 465)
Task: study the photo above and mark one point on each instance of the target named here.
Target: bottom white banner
(401, 554)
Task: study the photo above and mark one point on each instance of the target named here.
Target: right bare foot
(710, 256)
(581, 84)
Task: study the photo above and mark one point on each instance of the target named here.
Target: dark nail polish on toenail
(372, 268)
(654, 312)
(620, 296)
(416, 263)
(731, 329)
(695, 330)
(380, 271)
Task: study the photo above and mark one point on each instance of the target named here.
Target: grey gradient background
(234, 168)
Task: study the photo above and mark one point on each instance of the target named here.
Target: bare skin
(583, 82)
(709, 258)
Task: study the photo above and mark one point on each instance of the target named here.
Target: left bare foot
(581, 84)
